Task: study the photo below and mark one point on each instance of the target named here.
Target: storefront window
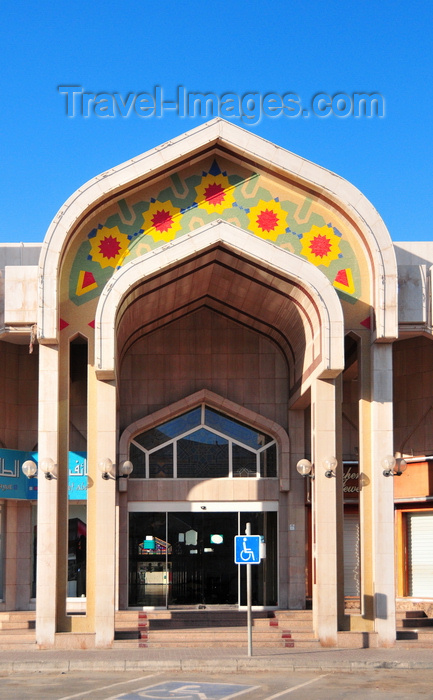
(203, 444)
(77, 551)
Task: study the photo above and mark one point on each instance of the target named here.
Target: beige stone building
(223, 315)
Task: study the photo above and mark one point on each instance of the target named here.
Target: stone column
(324, 530)
(101, 542)
(47, 522)
(23, 553)
(10, 545)
(377, 493)
(296, 536)
(382, 444)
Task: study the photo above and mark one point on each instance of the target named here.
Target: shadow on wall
(376, 607)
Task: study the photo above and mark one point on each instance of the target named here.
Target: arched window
(203, 444)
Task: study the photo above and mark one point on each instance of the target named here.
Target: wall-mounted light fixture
(393, 466)
(125, 469)
(30, 469)
(46, 465)
(330, 465)
(108, 469)
(305, 468)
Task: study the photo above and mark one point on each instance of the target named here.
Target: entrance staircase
(17, 631)
(213, 628)
(414, 629)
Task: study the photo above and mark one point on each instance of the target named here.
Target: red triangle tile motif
(88, 279)
(86, 283)
(344, 281)
(366, 322)
(63, 324)
(91, 324)
(341, 278)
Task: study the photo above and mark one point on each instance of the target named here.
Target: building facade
(212, 313)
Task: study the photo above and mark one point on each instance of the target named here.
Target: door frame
(168, 507)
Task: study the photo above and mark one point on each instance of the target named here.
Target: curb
(227, 665)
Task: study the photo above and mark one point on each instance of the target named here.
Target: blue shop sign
(14, 484)
(77, 480)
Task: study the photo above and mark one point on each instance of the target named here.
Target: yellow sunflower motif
(321, 245)
(109, 247)
(214, 194)
(161, 221)
(267, 220)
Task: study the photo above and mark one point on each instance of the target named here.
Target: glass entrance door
(187, 558)
(202, 558)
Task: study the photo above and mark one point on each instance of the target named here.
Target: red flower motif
(320, 246)
(109, 247)
(162, 220)
(267, 220)
(214, 194)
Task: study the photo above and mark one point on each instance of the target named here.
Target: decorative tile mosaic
(270, 208)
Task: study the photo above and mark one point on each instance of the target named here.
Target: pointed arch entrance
(151, 319)
(225, 462)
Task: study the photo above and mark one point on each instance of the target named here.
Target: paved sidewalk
(214, 660)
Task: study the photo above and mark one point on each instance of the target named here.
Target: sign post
(247, 552)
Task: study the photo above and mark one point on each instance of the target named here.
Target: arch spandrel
(310, 300)
(279, 197)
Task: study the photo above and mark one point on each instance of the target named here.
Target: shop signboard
(77, 476)
(14, 484)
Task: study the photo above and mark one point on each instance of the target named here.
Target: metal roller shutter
(420, 545)
(351, 555)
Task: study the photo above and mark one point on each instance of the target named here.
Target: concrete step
(14, 625)
(20, 620)
(195, 628)
(293, 615)
(298, 635)
(215, 624)
(18, 616)
(220, 636)
(143, 644)
(17, 639)
(414, 634)
(227, 643)
(415, 622)
(406, 614)
(205, 618)
(6, 634)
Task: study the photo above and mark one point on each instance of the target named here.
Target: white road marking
(106, 687)
(295, 687)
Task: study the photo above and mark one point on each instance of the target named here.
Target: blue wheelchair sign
(247, 549)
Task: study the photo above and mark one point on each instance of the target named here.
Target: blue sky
(238, 46)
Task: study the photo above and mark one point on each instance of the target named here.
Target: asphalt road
(298, 685)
